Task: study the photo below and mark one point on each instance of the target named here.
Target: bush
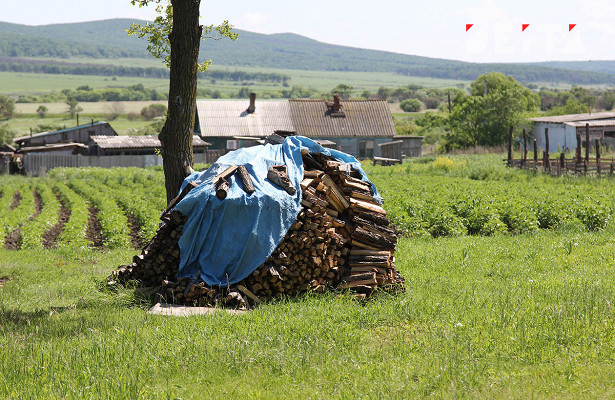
(411, 105)
(153, 111)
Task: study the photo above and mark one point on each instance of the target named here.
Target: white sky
(432, 28)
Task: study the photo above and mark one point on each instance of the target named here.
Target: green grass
(504, 317)
(509, 316)
(33, 83)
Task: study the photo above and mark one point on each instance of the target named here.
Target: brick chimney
(252, 107)
(336, 102)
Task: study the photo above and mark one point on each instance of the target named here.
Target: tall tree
(175, 36)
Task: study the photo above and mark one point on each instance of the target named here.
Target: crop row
(138, 192)
(11, 220)
(73, 232)
(440, 205)
(114, 225)
(32, 232)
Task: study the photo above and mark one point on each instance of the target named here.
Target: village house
(356, 127)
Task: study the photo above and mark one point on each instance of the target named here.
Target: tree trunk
(176, 134)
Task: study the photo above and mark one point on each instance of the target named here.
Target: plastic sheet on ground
(224, 241)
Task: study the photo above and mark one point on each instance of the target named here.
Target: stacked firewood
(159, 260)
(340, 240)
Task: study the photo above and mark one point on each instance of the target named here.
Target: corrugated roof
(52, 147)
(72, 128)
(592, 124)
(228, 118)
(575, 117)
(364, 118)
(137, 142)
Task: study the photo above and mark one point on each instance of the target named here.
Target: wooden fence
(39, 164)
(577, 164)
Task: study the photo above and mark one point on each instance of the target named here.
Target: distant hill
(108, 38)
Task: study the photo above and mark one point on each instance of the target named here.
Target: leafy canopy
(157, 32)
(485, 119)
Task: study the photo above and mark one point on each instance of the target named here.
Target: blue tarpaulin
(224, 241)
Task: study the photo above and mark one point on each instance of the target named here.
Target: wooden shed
(412, 145)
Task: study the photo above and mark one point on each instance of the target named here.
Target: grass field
(506, 316)
(32, 83)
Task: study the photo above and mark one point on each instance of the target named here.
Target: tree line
(36, 66)
(521, 72)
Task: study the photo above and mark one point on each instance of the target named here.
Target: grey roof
(228, 118)
(575, 117)
(363, 118)
(136, 142)
(52, 147)
(72, 128)
(592, 124)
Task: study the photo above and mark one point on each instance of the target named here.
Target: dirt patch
(94, 231)
(135, 239)
(12, 240)
(38, 203)
(50, 237)
(16, 200)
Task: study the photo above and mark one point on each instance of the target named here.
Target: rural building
(412, 145)
(563, 130)
(76, 134)
(228, 125)
(134, 145)
(356, 127)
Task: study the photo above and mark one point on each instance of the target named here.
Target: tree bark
(176, 134)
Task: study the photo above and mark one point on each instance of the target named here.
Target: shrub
(411, 105)
(153, 111)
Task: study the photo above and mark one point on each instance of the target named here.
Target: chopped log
(225, 174)
(249, 294)
(222, 188)
(246, 180)
(278, 175)
(335, 191)
(363, 205)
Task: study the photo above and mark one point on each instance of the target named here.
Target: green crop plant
(32, 233)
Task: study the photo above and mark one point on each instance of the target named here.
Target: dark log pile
(341, 240)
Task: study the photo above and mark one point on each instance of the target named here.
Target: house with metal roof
(563, 130)
(76, 134)
(355, 126)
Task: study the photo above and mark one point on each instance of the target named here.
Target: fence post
(510, 154)
(587, 143)
(524, 147)
(598, 156)
(547, 158)
(535, 154)
(578, 160)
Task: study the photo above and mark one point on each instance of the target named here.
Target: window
(366, 149)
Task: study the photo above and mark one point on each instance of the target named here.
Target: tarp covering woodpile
(225, 240)
(270, 220)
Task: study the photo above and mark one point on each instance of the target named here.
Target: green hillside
(108, 38)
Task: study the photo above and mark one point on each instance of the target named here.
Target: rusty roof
(575, 117)
(363, 118)
(228, 118)
(136, 142)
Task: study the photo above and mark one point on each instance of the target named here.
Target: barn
(563, 130)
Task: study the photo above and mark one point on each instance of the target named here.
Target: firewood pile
(341, 240)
